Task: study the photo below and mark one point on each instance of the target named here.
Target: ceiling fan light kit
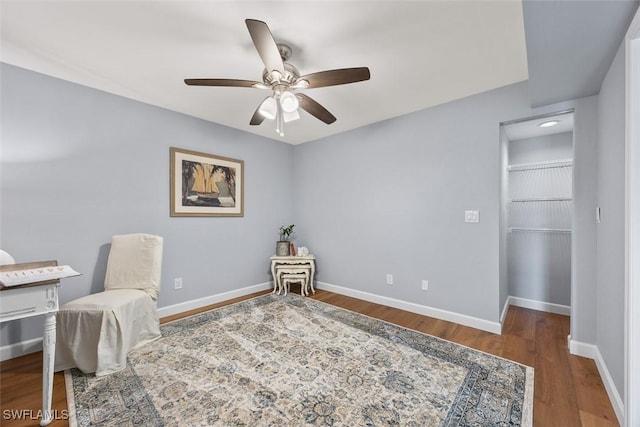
(268, 108)
(289, 117)
(283, 79)
(289, 101)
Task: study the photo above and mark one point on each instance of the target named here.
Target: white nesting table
(34, 299)
(307, 260)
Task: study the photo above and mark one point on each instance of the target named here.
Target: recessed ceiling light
(549, 123)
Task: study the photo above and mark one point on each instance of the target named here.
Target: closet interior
(539, 207)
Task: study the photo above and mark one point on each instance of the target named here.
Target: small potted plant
(283, 246)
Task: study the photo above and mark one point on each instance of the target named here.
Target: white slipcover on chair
(95, 333)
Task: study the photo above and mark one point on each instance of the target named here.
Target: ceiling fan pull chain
(279, 117)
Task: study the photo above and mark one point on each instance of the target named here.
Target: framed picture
(205, 185)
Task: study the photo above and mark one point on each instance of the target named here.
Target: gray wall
(556, 146)
(610, 232)
(79, 165)
(504, 191)
(583, 247)
(387, 198)
(390, 198)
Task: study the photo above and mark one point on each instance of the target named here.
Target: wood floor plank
(519, 349)
(590, 390)
(521, 322)
(568, 391)
(21, 392)
(518, 334)
(589, 420)
(555, 401)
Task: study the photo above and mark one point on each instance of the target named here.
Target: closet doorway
(537, 197)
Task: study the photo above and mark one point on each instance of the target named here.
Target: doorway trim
(632, 225)
(511, 300)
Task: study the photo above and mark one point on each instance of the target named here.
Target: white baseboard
(20, 349)
(592, 352)
(462, 319)
(549, 307)
(503, 314)
(31, 346)
(578, 348)
(211, 299)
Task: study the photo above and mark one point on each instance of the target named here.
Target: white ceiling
(526, 129)
(570, 45)
(420, 53)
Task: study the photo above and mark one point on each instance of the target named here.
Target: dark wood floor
(568, 389)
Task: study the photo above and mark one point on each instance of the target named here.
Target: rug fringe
(527, 405)
(71, 403)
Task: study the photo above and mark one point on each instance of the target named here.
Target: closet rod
(541, 165)
(543, 199)
(541, 230)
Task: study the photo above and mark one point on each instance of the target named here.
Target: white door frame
(632, 226)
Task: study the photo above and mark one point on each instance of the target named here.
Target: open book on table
(34, 275)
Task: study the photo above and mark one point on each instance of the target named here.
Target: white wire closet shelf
(528, 183)
(561, 163)
(542, 199)
(540, 230)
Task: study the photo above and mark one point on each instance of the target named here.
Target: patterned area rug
(294, 361)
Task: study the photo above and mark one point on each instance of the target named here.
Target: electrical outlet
(389, 279)
(177, 283)
(425, 285)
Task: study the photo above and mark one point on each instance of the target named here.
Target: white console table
(306, 260)
(34, 299)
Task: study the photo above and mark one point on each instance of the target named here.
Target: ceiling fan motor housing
(271, 78)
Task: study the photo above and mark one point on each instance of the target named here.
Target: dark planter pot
(283, 248)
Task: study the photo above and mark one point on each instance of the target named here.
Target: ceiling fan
(283, 79)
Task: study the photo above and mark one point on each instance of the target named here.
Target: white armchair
(96, 332)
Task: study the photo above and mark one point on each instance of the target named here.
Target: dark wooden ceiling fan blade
(337, 77)
(265, 45)
(315, 109)
(222, 82)
(257, 117)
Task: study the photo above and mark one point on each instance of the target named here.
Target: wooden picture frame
(205, 185)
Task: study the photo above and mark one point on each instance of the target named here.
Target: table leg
(273, 274)
(305, 284)
(313, 273)
(48, 355)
